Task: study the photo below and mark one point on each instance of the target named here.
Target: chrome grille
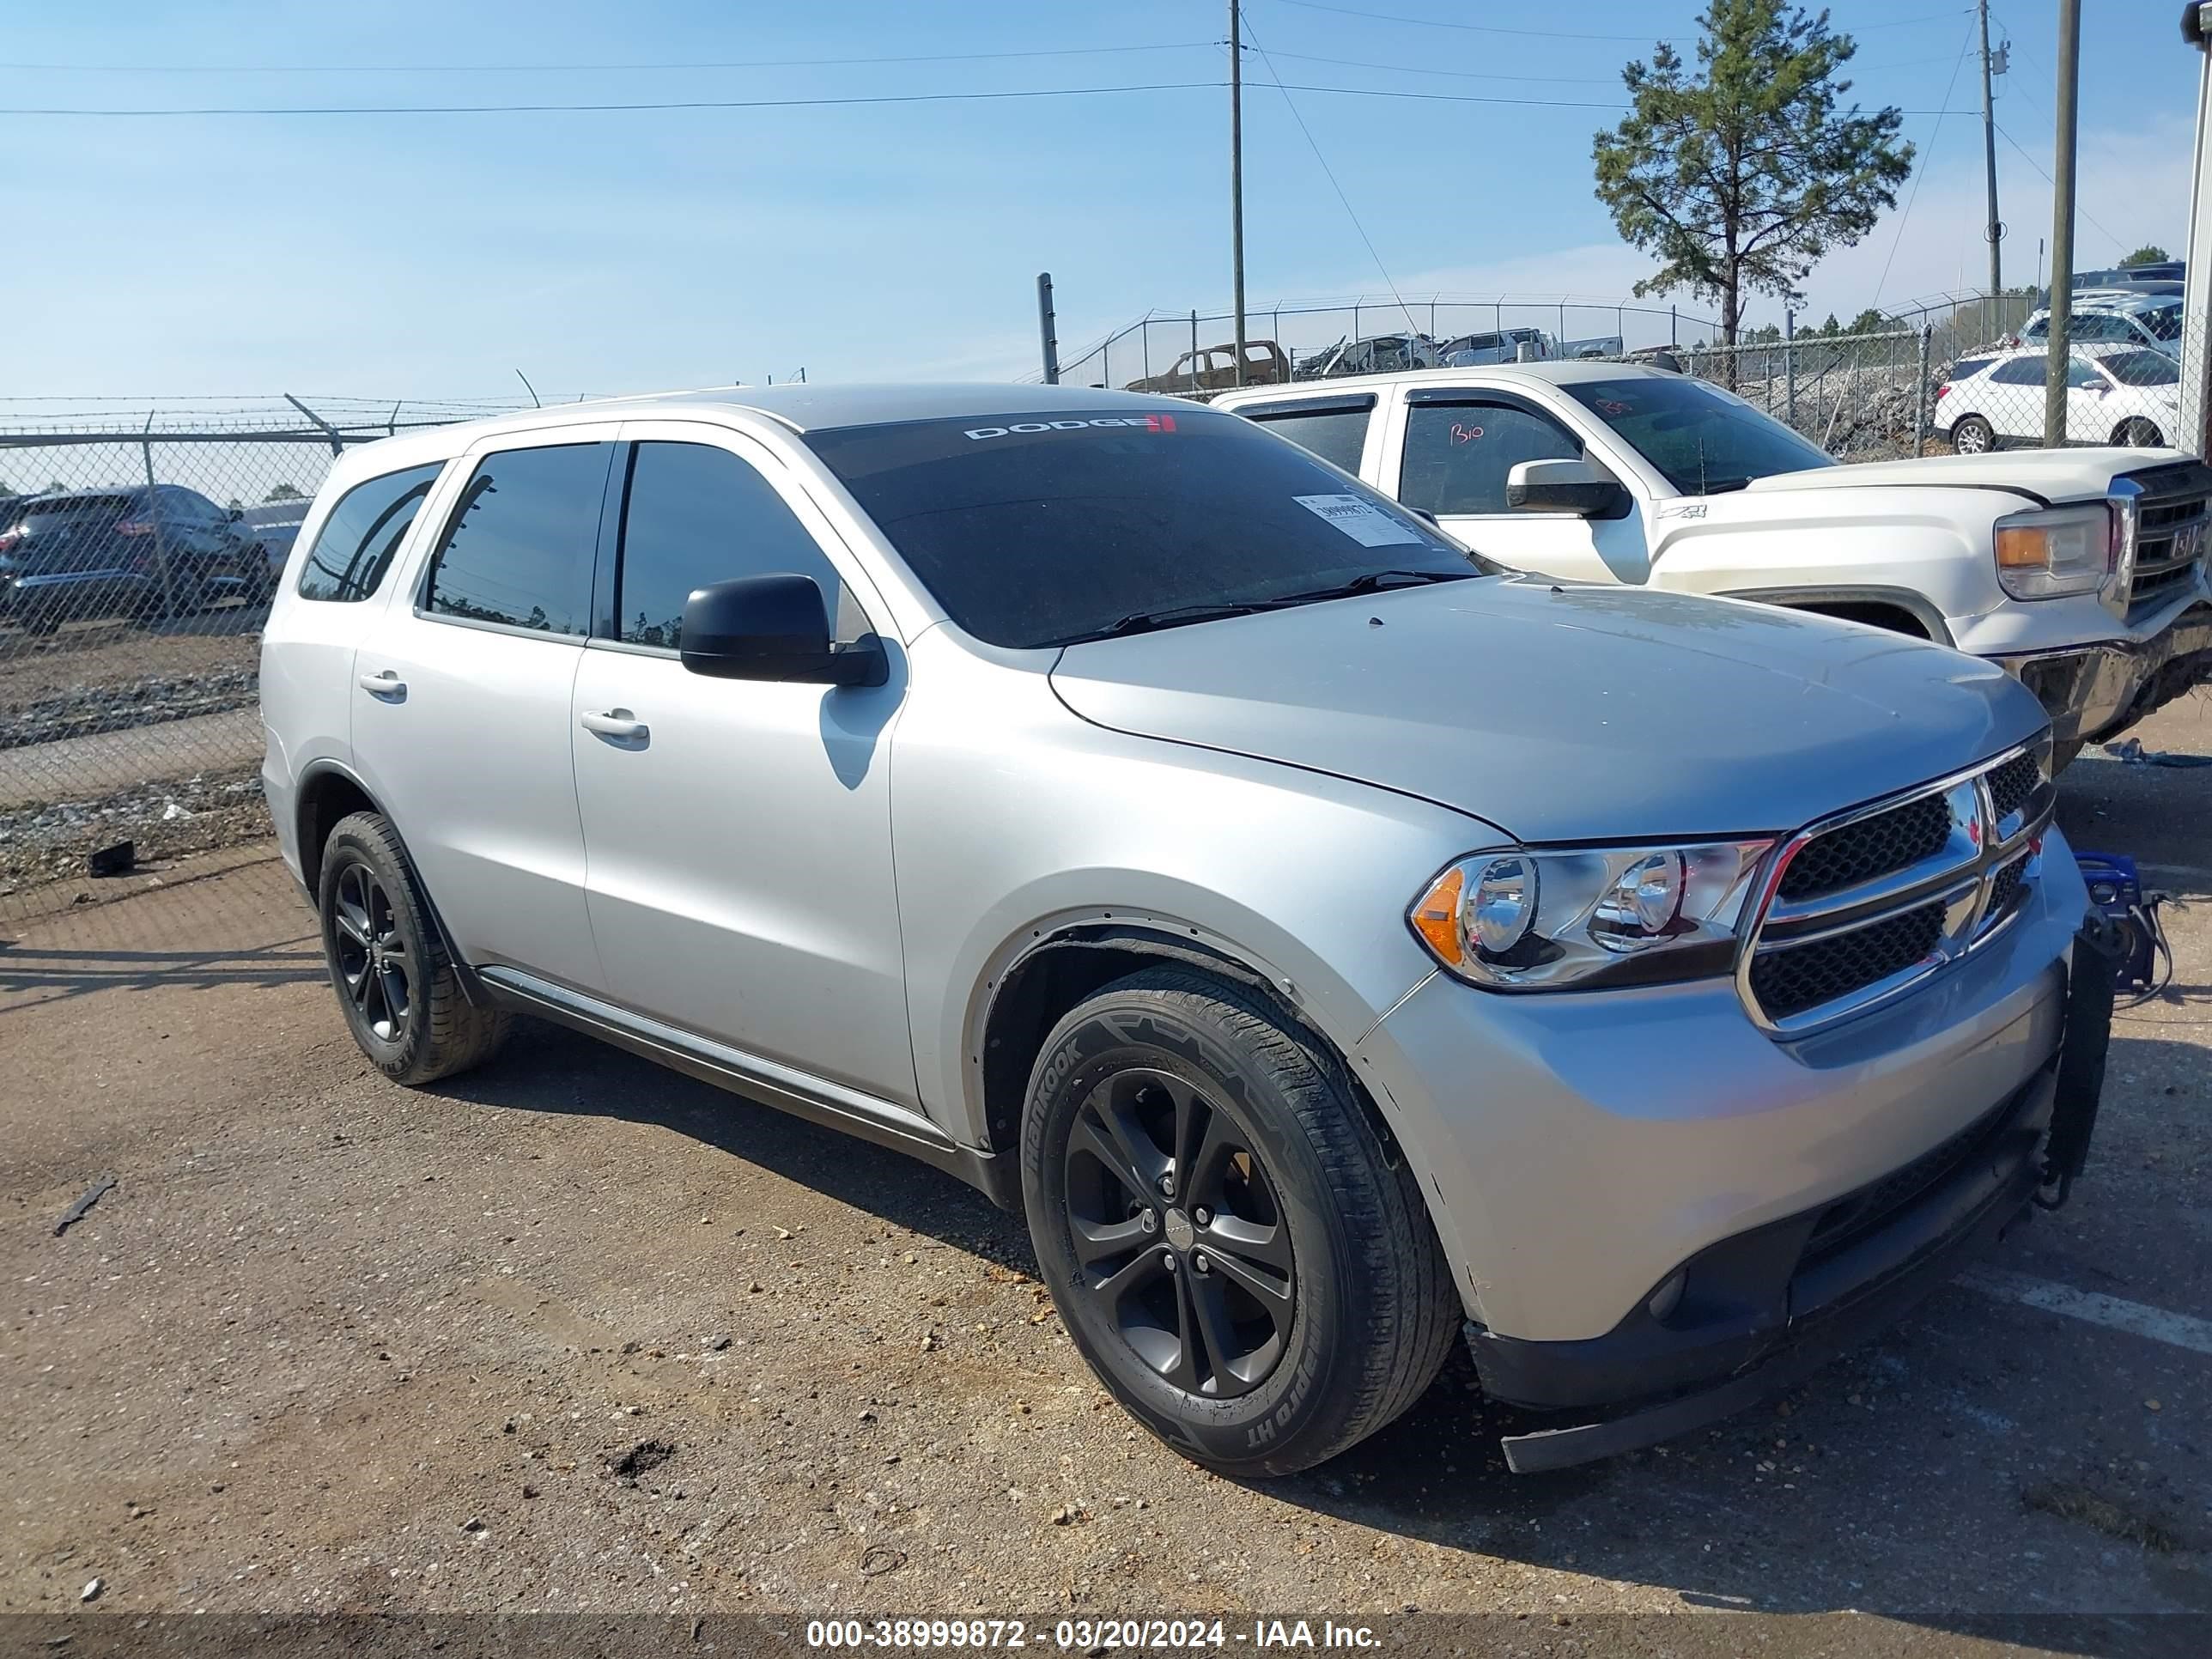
(1876, 846)
(1863, 905)
(2172, 527)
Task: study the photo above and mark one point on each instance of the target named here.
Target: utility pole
(1995, 228)
(1236, 177)
(2062, 224)
(2196, 295)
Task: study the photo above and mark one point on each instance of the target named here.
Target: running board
(783, 1087)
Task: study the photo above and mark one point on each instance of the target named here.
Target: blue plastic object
(2116, 891)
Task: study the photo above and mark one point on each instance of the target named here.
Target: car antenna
(526, 386)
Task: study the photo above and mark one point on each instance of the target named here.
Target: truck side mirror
(1581, 487)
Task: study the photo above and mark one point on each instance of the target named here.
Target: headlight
(2066, 550)
(1517, 919)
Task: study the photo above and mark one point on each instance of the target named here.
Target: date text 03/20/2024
(1086, 1635)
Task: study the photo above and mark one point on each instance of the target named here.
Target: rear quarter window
(357, 542)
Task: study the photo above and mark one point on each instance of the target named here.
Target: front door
(461, 702)
(738, 831)
(1453, 462)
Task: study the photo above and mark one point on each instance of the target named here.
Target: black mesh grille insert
(1790, 981)
(2011, 784)
(2003, 885)
(1878, 845)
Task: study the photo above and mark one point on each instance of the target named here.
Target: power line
(600, 68)
(1926, 155)
(1290, 104)
(673, 104)
(1458, 75)
(2053, 182)
(1559, 34)
(1473, 28)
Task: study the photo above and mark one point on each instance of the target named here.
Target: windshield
(1040, 530)
(2141, 367)
(2163, 323)
(1701, 440)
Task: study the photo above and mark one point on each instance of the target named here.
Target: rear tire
(1221, 1232)
(1973, 435)
(397, 985)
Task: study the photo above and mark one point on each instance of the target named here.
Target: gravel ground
(576, 1333)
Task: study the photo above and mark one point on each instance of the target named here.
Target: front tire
(1221, 1230)
(2139, 434)
(1973, 435)
(396, 984)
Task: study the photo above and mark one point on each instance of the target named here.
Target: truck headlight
(1518, 919)
(2063, 550)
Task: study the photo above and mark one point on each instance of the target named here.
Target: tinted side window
(1966, 366)
(1334, 434)
(520, 549)
(1457, 456)
(2019, 371)
(697, 515)
(356, 546)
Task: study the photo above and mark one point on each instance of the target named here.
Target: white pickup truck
(2081, 571)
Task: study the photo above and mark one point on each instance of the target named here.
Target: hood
(2041, 475)
(1565, 714)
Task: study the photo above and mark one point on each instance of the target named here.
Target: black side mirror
(773, 627)
(1581, 487)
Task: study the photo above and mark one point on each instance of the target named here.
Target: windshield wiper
(1145, 622)
(1374, 581)
(1725, 486)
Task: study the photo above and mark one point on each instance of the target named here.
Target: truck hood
(1565, 714)
(2041, 475)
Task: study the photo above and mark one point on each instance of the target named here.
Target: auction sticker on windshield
(1363, 521)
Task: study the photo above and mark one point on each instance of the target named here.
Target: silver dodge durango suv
(1330, 942)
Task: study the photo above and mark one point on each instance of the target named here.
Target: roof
(806, 407)
(1576, 371)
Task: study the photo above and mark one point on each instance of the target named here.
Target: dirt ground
(576, 1333)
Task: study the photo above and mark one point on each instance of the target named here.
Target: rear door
(461, 700)
(1334, 427)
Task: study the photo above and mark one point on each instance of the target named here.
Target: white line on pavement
(2178, 1329)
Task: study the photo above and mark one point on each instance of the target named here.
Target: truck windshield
(1044, 529)
(1703, 441)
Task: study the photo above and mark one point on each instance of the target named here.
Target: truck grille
(2171, 516)
(1863, 905)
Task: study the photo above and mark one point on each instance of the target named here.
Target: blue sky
(429, 255)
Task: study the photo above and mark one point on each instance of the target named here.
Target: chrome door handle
(617, 723)
(387, 684)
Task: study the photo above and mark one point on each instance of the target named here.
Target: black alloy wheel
(372, 959)
(1180, 1234)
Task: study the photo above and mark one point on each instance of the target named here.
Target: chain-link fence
(135, 569)
(1963, 371)
(1305, 340)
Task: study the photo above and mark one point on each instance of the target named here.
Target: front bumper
(2095, 692)
(1806, 1290)
(1579, 1151)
